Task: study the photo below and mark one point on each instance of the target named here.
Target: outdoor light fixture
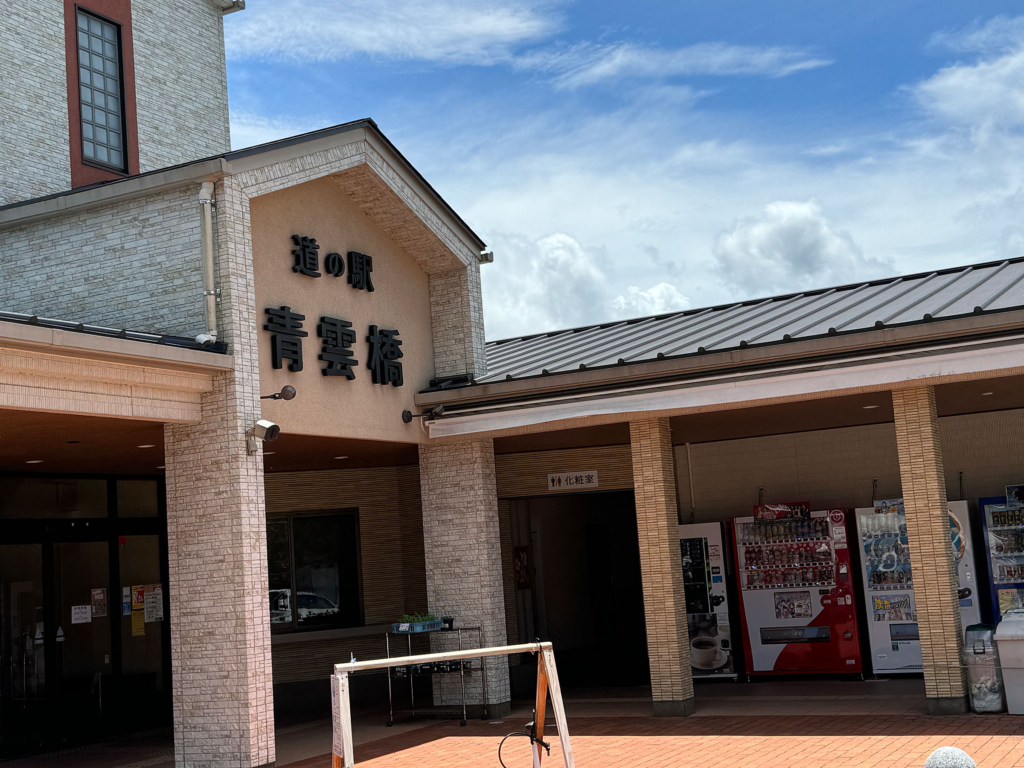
(287, 393)
(434, 413)
(264, 430)
(986, 394)
(868, 407)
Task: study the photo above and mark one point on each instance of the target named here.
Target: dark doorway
(584, 590)
(84, 641)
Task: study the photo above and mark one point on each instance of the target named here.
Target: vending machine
(707, 604)
(1003, 525)
(796, 591)
(889, 583)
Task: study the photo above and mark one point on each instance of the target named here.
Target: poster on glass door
(707, 606)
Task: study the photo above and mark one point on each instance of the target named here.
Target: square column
(216, 540)
(931, 556)
(462, 548)
(668, 641)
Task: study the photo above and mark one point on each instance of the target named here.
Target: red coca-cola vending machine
(796, 590)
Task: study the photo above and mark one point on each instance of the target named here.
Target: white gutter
(879, 372)
(206, 236)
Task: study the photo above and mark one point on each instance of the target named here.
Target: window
(314, 573)
(99, 83)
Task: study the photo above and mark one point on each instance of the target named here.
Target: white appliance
(707, 605)
(889, 582)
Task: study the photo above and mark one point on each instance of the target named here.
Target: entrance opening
(578, 584)
(84, 645)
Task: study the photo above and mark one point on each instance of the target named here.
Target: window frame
(289, 519)
(123, 169)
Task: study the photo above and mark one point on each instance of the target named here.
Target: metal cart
(460, 667)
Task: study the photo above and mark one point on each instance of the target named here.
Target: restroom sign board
(573, 481)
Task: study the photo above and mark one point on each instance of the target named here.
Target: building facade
(160, 562)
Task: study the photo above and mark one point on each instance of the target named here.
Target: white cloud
(556, 282)
(590, 63)
(985, 93)
(656, 300)
(445, 31)
(791, 246)
(997, 35)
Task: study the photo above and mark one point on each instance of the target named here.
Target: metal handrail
(426, 658)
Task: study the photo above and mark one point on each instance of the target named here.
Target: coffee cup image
(704, 651)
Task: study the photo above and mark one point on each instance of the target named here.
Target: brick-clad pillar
(931, 557)
(216, 541)
(462, 548)
(668, 642)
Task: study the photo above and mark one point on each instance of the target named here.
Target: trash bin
(1010, 645)
(983, 674)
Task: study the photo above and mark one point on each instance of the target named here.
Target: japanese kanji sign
(336, 334)
(573, 481)
(307, 262)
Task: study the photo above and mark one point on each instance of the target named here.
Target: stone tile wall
(34, 102)
(668, 642)
(931, 557)
(180, 82)
(133, 264)
(462, 544)
(216, 531)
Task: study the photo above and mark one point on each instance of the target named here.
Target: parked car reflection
(311, 607)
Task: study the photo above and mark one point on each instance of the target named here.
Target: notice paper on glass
(81, 614)
(138, 623)
(99, 602)
(154, 603)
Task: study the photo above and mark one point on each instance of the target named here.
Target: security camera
(265, 430)
(205, 339)
(262, 430)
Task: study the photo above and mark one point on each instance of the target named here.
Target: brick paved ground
(710, 742)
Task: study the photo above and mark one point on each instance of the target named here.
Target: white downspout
(206, 235)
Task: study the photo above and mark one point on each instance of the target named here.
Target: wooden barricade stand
(343, 752)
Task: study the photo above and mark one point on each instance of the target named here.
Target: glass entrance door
(82, 641)
(23, 659)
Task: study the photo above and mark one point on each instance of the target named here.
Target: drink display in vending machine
(707, 604)
(1002, 520)
(796, 591)
(889, 582)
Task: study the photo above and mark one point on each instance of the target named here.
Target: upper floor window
(99, 78)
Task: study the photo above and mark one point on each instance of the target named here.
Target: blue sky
(624, 159)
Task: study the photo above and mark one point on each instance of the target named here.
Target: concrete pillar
(216, 539)
(931, 556)
(462, 549)
(668, 642)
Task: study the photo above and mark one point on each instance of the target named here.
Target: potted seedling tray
(410, 625)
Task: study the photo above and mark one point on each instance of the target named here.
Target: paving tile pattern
(712, 742)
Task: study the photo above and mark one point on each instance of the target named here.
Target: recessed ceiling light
(35, 461)
(986, 394)
(868, 407)
(73, 442)
(147, 446)
(269, 453)
(340, 457)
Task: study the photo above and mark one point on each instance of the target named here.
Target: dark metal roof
(116, 333)
(941, 295)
